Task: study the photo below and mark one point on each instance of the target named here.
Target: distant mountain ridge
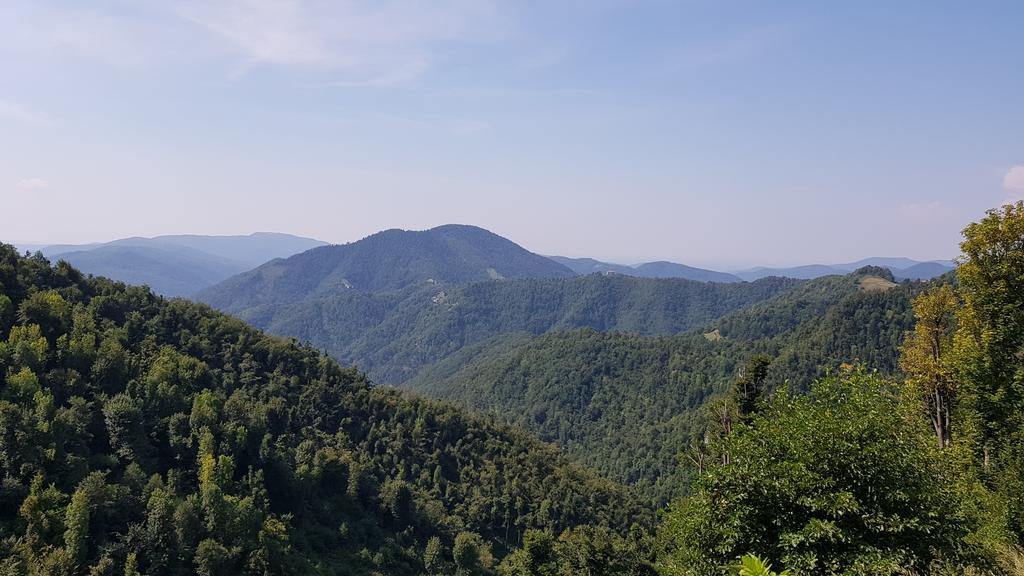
(902, 269)
(178, 265)
(659, 269)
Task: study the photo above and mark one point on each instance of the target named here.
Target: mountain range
(176, 265)
(660, 269)
(397, 301)
(901, 268)
(183, 265)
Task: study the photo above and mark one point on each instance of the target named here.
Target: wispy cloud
(27, 184)
(923, 213)
(368, 43)
(1013, 183)
(13, 111)
(126, 38)
(728, 49)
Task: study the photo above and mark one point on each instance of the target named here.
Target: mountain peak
(389, 260)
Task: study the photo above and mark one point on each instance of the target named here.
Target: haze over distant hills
(177, 265)
(902, 268)
(660, 269)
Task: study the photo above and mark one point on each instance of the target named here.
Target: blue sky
(712, 133)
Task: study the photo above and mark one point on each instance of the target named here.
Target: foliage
(926, 358)
(751, 565)
(584, 550)
(989, 348)
(842, 480)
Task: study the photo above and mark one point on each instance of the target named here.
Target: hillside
(386, 261)
(178, 265)
(392, 335)
(581, 389)
(141, 435)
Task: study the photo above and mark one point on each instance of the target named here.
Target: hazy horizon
(723, 136)
(707, 263)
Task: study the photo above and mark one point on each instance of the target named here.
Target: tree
(212, 558)
(738, 405)
(433, 556)
(76, 531)
(131, 565)
(841, 480)
(925, 357)
(125, 426)
(6, 313)
(749, 388)
(471, 554)
(990, 340)
(584, 550)
(989, 353)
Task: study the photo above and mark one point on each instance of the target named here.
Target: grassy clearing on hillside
(876, 284)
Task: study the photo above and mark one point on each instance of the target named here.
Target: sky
(706, 132)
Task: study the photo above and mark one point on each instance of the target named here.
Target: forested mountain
(660, 269)
(178, 265)
(392, 335)
(386, 261)
(140, 435)
(583, 389)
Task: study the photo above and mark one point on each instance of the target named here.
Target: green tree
(433, 556)
(990, 340)
(470, 553)
(926, 358)
(843, 480)
(125, 425)
(6, 313)
(212, 559)
(989, 348)
(750, 387)
(76, 531)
